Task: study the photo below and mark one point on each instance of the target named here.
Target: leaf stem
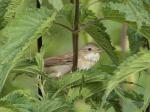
(124, 30)
(75, 36)
(62, 25)
(39, 45)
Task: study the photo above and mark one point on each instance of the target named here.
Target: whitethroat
(88, 55)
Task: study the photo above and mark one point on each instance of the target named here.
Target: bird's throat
(87, 61)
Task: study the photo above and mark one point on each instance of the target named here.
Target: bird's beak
(100, 50)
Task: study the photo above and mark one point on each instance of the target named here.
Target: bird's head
(90, 52)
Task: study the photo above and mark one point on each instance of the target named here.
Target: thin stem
(38, 5)
(148, 109)
(75, 36)
(148, 46)
(62, 25)
(39, 41)
(39, 45)
(123, 37)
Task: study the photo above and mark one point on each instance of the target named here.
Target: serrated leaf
(92, 76)
(20, 100)
(85, 91)
(145, 31)
(67, 13)
(97, 31)
(134, 11)
(146, 93)
(86, 15)
(133, 107)
(75, 78)
(132, 65)
(8, 10)
(52, 105)
(115, 15)
(146, 4)
(7, 107)
(18, 35)
(136, 41)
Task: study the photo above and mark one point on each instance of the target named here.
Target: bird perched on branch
(87, 57)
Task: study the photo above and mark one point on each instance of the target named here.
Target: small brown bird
(60, 65)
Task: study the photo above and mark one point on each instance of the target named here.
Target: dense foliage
(120, 85)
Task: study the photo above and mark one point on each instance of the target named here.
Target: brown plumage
(58, 60)
(59, 65)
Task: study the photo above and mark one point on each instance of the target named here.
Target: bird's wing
(58, 60)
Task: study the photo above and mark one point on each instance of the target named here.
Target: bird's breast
(87, 61)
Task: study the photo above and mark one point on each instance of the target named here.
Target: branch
(62, 25)
(75, 36)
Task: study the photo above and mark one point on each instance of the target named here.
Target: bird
(88, 55)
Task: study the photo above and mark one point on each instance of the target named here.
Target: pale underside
(60, 65)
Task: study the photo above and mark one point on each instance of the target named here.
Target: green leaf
(91, 78)
(82, 106)
(57, 4)
(87, 90)
(116, 15)
(146, 93)
(86, 15)
(18, 35)
(52, 105)
(129, 106)
(132, 65)
(3, 6)
(145, 31)
(8, 9)
(136, 41)
(112, 14)
(115, 1)
(40, 61)
(134, 11)
(20, 100)
(7, 107)
(30, 67)
(146, 4)
(97, 31)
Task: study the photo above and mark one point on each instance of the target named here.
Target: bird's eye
(89, 49)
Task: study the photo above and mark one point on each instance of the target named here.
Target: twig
(148, 47)
(123, 37)
(62, 25)
(75, 36)
(39, 45)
